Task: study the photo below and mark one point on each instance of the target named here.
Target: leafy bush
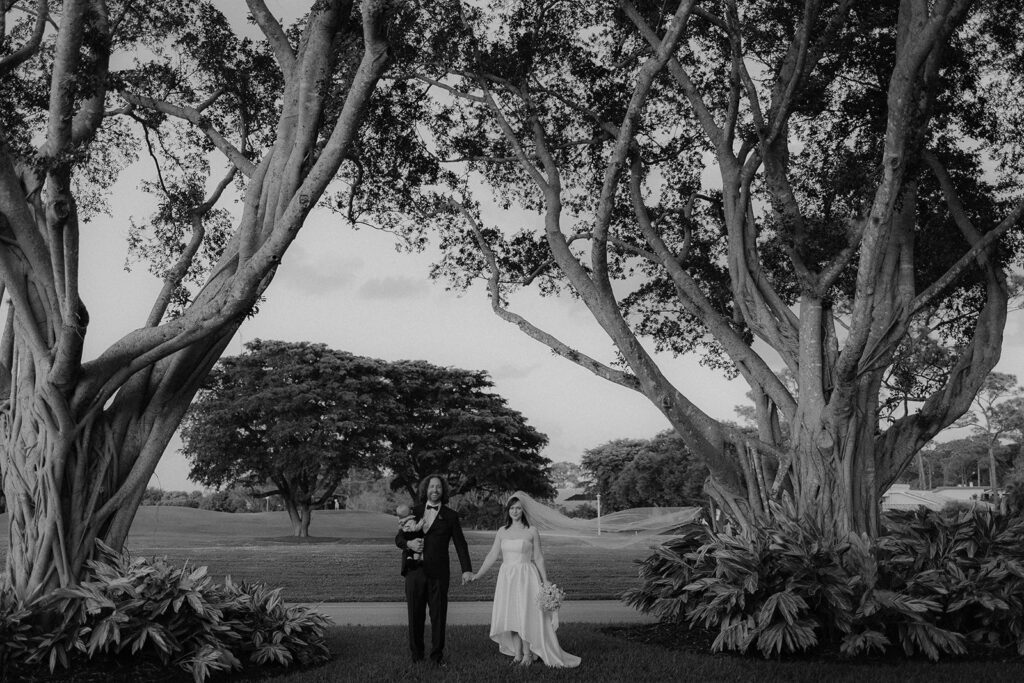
(581, 511)
(933, 583)
(15, 630)
(179, 616)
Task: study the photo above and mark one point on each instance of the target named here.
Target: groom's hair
(445, 490)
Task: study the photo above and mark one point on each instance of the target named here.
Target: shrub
(177, 615)
(15, 631)
(581, 511)
(227, 500)
(933, 583)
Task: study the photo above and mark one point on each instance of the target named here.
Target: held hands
(468, 577)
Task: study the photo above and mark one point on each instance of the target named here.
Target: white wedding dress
(516, 610)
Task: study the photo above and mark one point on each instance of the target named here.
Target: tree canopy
(293, 418)
(632, 473)
(178, 93)
(450, 421)
(998, 413)
(832, 184)
(296, 416)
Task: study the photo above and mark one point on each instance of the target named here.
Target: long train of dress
(516, 610)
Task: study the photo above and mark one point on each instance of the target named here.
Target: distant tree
(665, 473)
(368, 489)
(605, 463)
(645, 472)
(960, 460)
(297, 415)
(191, 499)
(565, 474)
(449, 420)
(227, 500)
(152, 496)
(998, 412)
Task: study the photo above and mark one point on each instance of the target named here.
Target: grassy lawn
(379, 654)
(352, 557)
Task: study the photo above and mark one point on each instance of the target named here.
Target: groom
(426, 580)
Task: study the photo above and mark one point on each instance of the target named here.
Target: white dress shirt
(430, 515)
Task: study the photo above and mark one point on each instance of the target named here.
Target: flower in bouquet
(550, 597)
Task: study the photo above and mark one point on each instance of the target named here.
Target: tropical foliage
(149, 609)
(932, 584)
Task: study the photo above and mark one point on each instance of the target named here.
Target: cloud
(393, 287)
(311, 272)
(511, 371)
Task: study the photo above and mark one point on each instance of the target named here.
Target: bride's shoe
(527, 660)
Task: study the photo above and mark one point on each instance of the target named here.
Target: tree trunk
(993, 479)
(300, 515)
(81, 439)
(72, 477)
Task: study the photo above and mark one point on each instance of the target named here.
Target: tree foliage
(294, 419)
(837, 182)
(171, 90)
(298, 416)
(645, 472)
(450, 421)
(998, 413)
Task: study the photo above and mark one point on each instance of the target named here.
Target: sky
(352, 291)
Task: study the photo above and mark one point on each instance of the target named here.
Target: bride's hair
(508, 517)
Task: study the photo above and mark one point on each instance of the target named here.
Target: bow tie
(433, 507)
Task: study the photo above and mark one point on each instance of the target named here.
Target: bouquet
(550, 597)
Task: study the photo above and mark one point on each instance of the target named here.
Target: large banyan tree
(820, 196)
(88, 86)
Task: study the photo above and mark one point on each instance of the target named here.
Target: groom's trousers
(422, 595)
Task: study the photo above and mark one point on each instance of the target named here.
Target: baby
(410, 527)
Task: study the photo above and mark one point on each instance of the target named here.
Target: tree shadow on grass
(300, 540)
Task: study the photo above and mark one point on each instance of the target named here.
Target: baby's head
(403, 510)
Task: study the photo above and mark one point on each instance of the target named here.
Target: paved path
(474, 613)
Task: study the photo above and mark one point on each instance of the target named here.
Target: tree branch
(9, 62)
(275, 35)
(750, 364)
(707, 121)
(558, 347)
(194, 117)
(980, 244)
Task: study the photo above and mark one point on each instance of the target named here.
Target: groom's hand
(467, 577)
(415, 545)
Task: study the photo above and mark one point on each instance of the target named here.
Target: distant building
(902, 497)
(964, 494)
(572, 497)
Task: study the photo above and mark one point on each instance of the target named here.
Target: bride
(519, 626)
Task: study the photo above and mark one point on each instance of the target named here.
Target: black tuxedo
(426, 582)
